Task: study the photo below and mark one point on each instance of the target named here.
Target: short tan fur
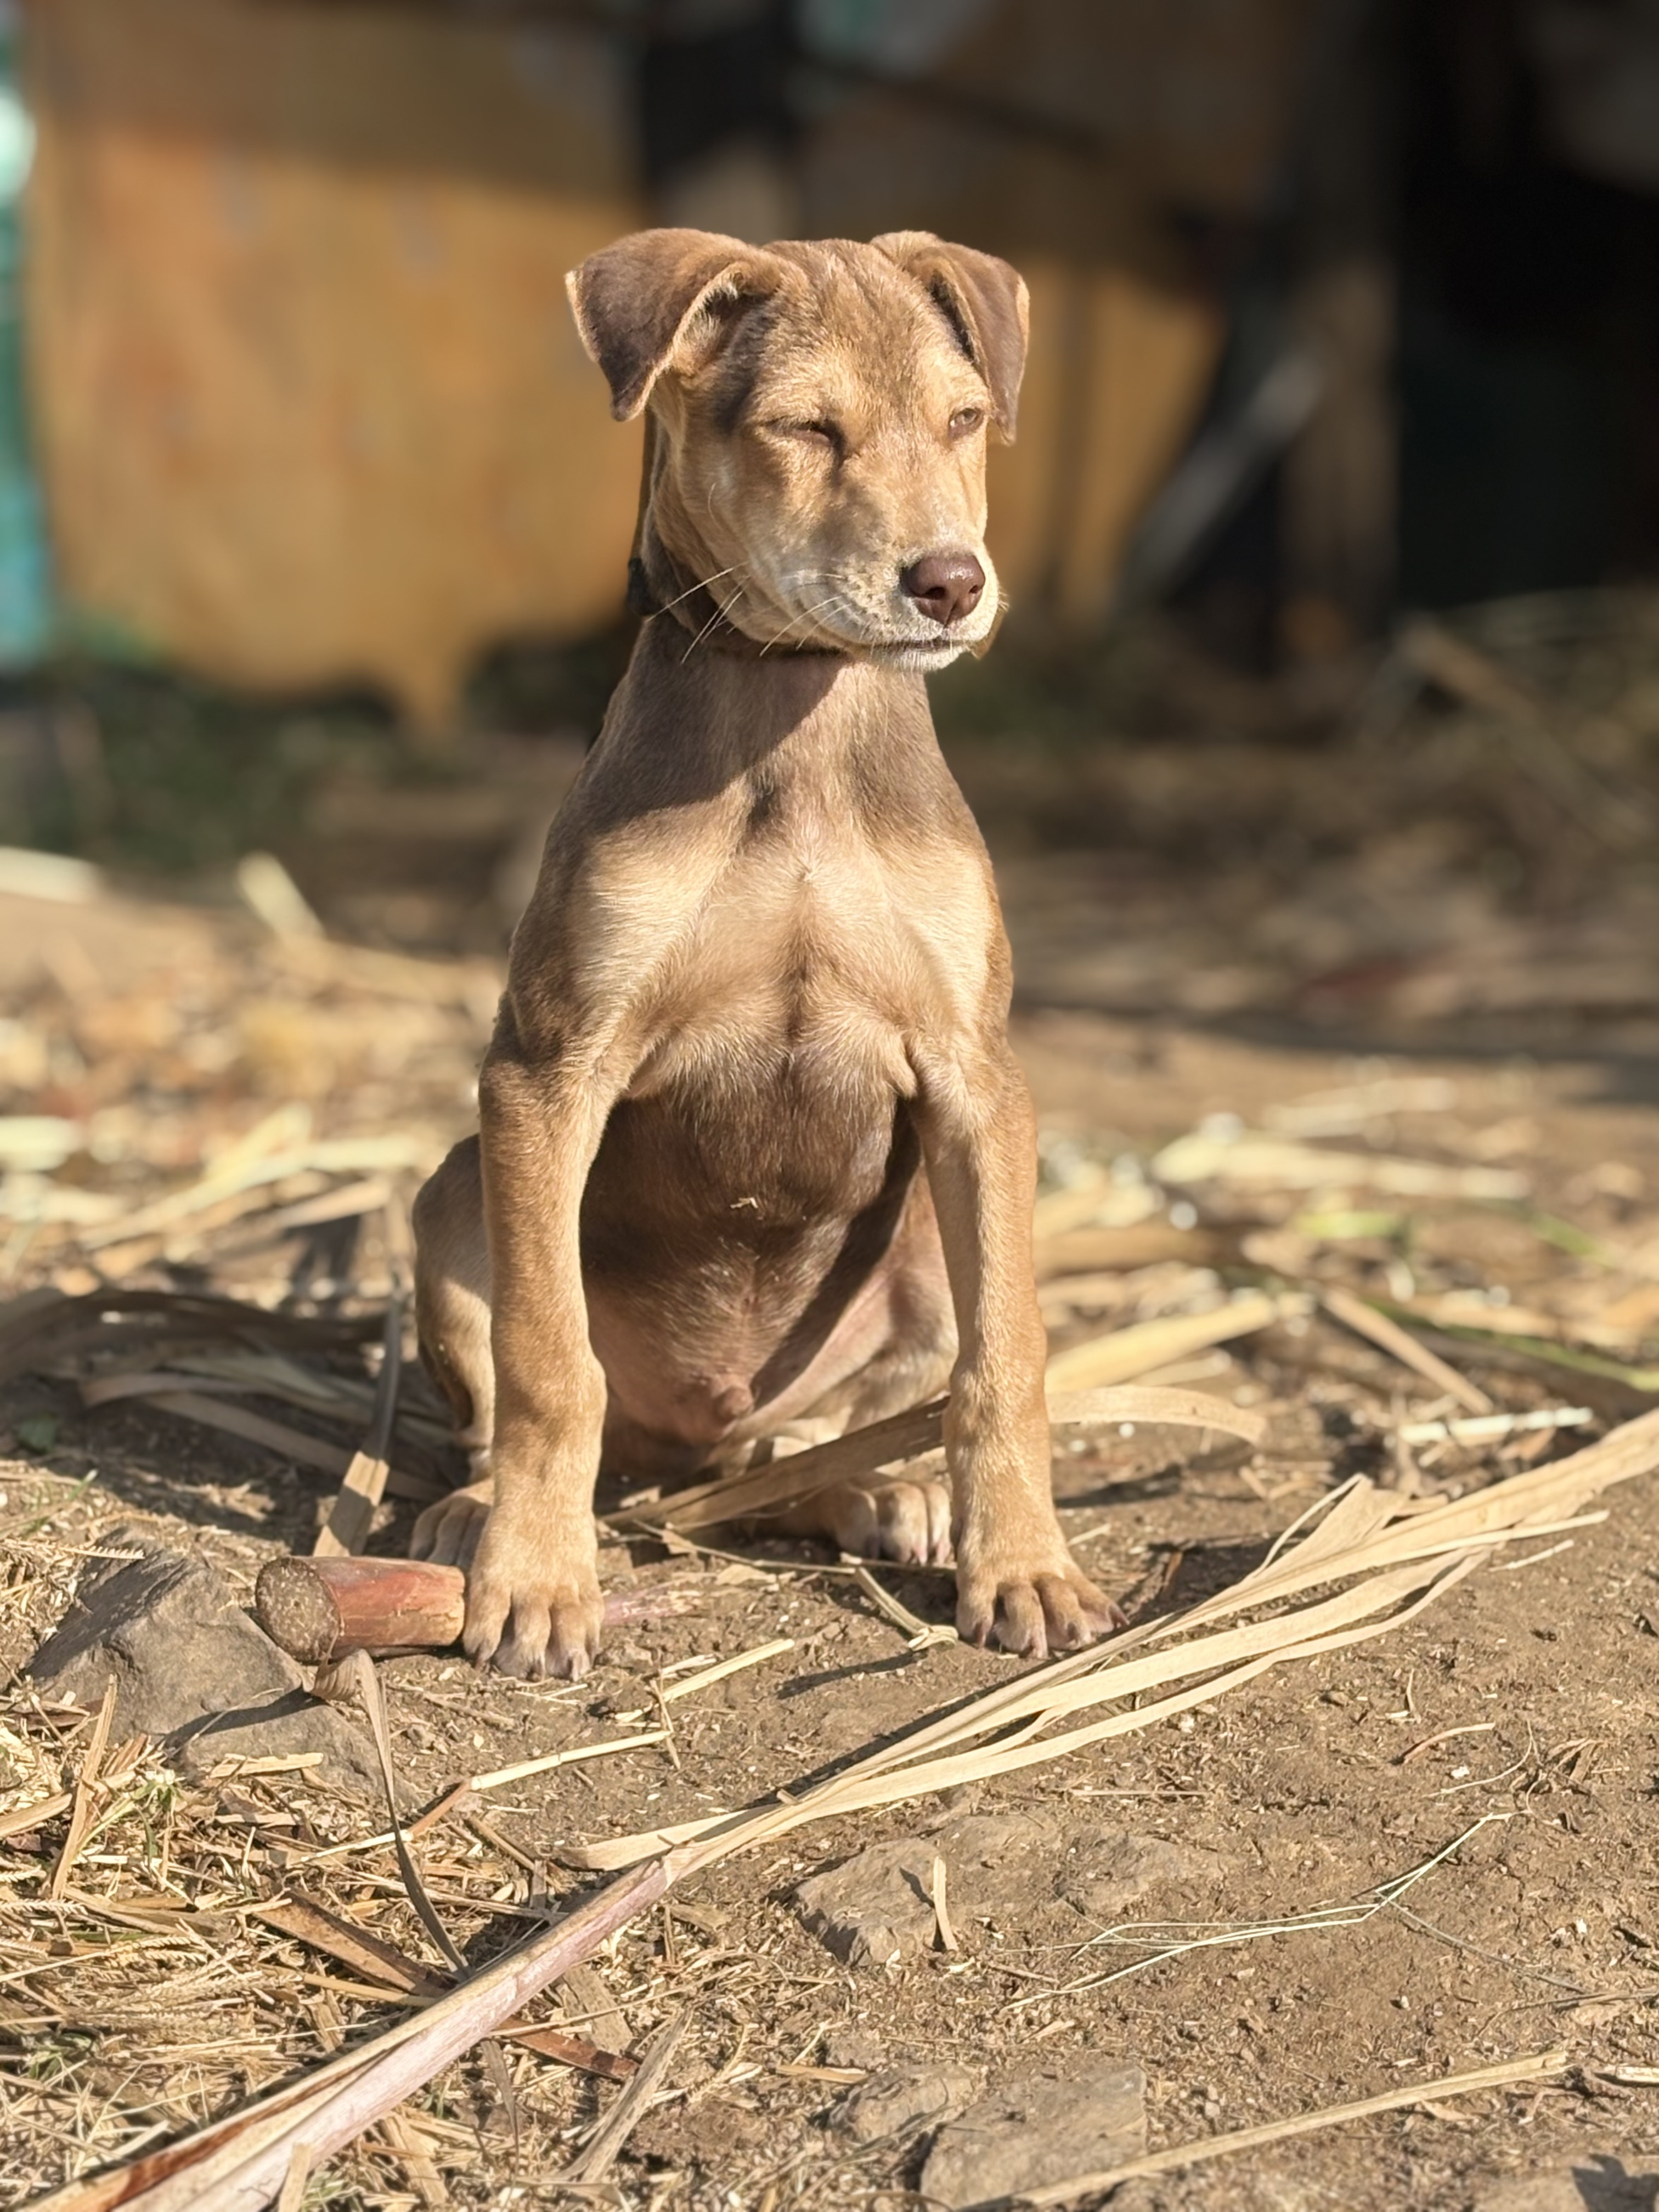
(756, 1161)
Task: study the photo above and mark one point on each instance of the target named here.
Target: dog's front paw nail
(1046, 1609)
(530, 1622)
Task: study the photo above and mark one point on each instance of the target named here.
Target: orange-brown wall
(309, 404)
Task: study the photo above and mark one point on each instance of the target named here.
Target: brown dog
(756, 1160)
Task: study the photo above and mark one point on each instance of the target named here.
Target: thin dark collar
(658, 587)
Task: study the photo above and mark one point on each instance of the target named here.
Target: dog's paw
(1031, 1610)
(533, 1610)
(908, 1522)
(448, 1532)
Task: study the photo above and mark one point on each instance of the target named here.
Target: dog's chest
(809, 953)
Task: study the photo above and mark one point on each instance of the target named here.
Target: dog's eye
(813, 433)
(966, 421)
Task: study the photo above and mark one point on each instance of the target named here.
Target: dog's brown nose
(944, 586)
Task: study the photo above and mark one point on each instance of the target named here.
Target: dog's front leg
(1016, 1580)
(532, 1594)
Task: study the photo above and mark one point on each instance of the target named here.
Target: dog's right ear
(650, 302)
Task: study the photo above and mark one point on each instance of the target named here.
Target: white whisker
(719, 614)
(700, 586)
(805, 615)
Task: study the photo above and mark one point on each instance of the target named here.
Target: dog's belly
(743, 1243)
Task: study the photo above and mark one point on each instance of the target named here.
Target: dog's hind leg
(452, 1320)
(902, 1518)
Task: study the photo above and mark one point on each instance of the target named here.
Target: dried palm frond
(1380, 1557)
(865, 1451)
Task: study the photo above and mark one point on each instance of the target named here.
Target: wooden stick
(759, 1490)
(687, 1684)
(593, 2164)
(859, 1454)
(1399, 1344)
(1076, 1251)
(573, 2050)
(346, 1530)
(287, 1442)
(85, 1800)
(1118, 1355)
(321, 1610)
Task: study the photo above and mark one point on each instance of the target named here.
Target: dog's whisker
(719, 615)
(701, 584)
(855, 619)
(805, 615)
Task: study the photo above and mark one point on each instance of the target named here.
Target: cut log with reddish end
(321, 1610)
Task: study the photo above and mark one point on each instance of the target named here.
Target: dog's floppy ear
(984, 300)
(644, 301)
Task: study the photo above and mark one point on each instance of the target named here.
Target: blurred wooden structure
(309, 405)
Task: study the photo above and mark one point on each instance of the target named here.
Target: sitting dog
(756, 1160)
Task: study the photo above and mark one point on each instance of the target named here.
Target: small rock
(854, 2046)
(1036, 2129)
(708, 2136)
(1598, 2183)
(872, 1908)
(902, 2098)
(1103, 1878)
(877, 1907)
(192, 1669)
(991, 1854)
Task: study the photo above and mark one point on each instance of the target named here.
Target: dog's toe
(531, 1638)
(448, 1532)
(1052, 1608)
(530, 1618)
(912, 1523)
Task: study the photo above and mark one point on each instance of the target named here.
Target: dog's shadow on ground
(1204, 1571)
(855, 1670)
(1607, 2186)
(1121, 1490)
(160, 1464)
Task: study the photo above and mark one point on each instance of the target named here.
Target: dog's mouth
(945, 646)
(936, 643)
(900, 651)
(847, 630)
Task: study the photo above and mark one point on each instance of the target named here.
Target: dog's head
(819, 416)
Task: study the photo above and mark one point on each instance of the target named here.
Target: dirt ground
(1398, 998)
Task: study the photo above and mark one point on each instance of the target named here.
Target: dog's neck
(693, 722)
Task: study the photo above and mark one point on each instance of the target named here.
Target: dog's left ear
(984, 300)
(658, 299)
